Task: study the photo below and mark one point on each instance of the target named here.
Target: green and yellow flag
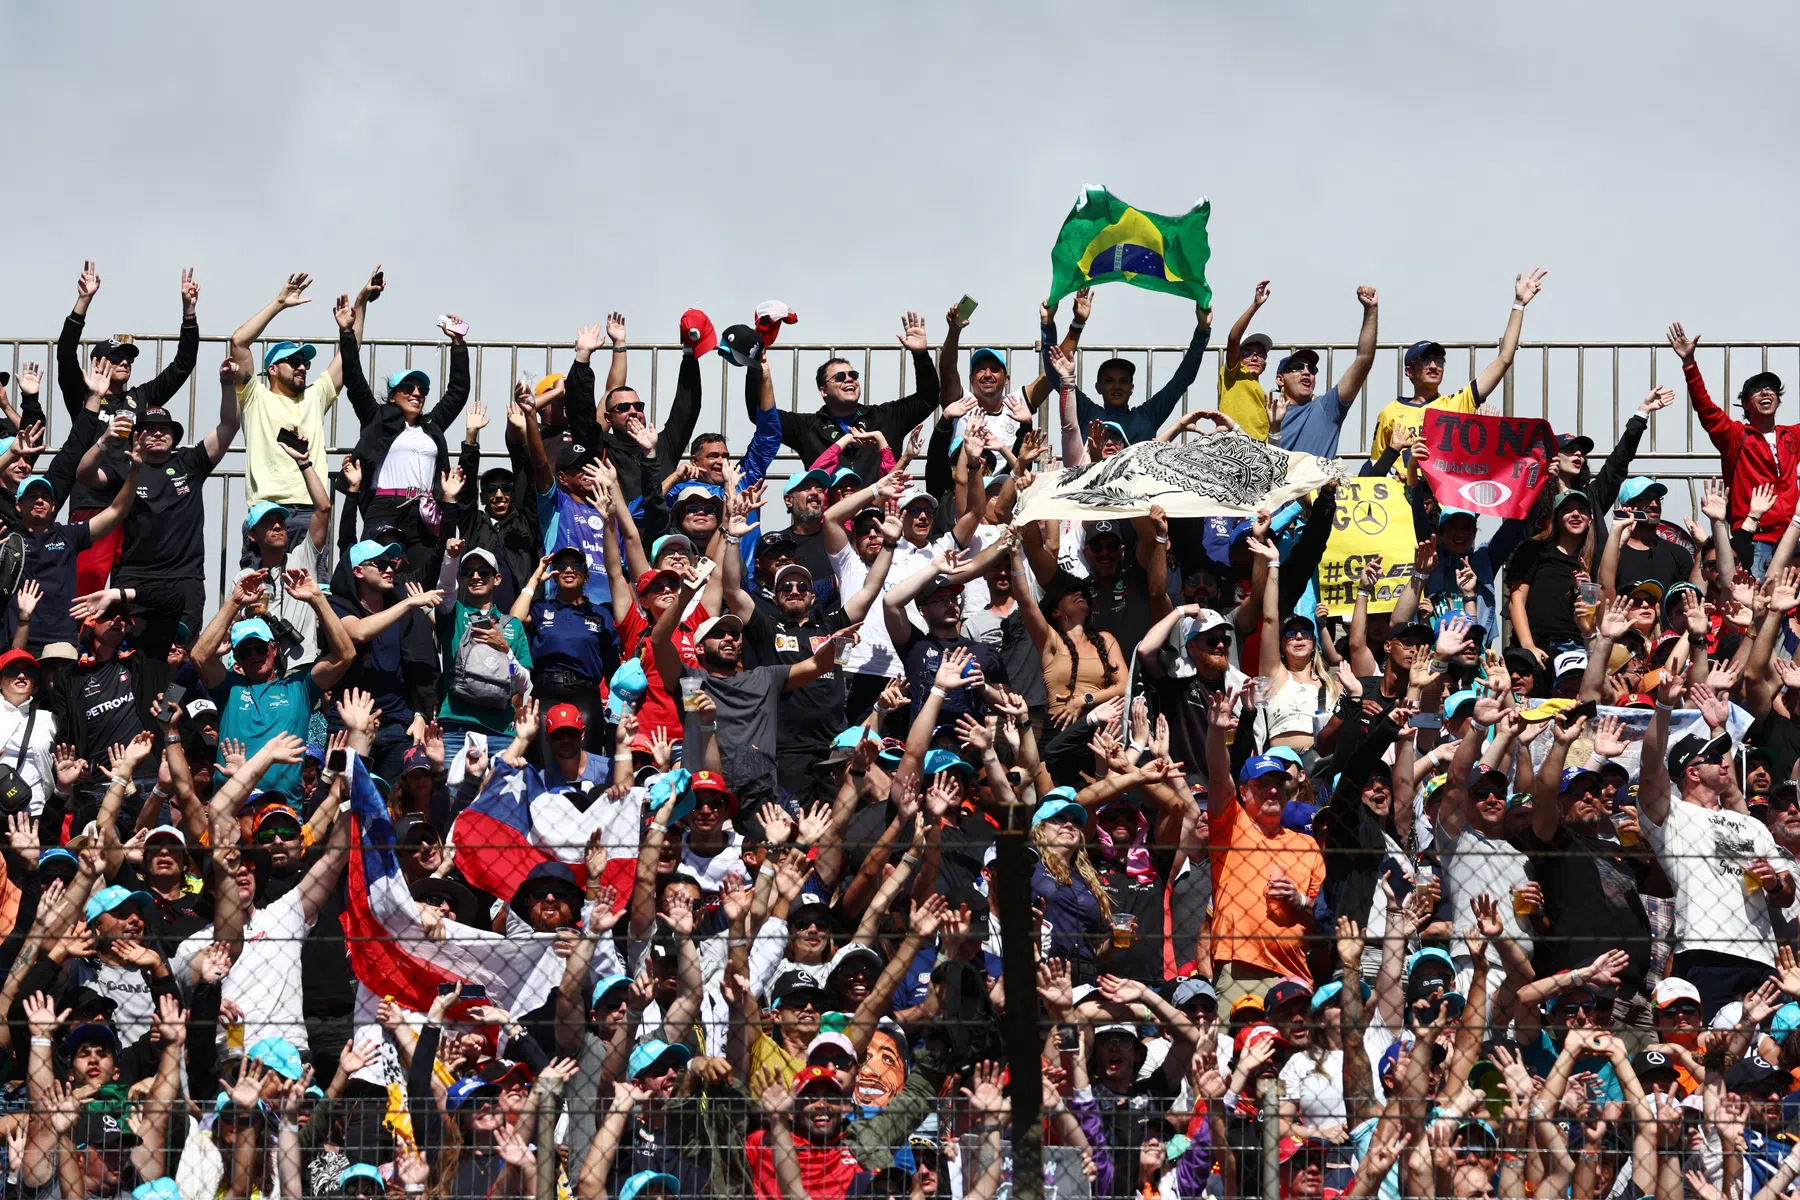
(1105, 240)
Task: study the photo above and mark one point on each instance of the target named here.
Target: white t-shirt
(1704, 852)
(1473, 864)
(874, 653)
(265, 982)
(302, 556)
(411, 462)
(1000, 424)
(1319, 1093)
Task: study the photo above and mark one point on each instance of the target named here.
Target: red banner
(1493, 466)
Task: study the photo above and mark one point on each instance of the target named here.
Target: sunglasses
(1220, 642)
(15, 672)
(411, 389)
(844, 376)
(733, 634)
(1683, 1008)
(383, 564)
(1641, 601)
(710, 800)
(628, 406)
(476, 572)
(278, 833)
(570, 568)
(794, 588)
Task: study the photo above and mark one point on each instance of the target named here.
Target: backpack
(12, 564)
(483, 675)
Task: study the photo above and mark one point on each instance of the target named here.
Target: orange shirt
(1244, 859)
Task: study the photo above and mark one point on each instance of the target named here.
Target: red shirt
(826, 1171)
(659, 710)
(1747, 459)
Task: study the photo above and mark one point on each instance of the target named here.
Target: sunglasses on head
(844, 376)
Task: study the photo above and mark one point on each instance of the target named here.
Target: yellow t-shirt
(766, 1051)
(269, 474)
(1241, 397)
(1399, 421)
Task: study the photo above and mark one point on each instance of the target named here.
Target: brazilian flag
(1105, 240)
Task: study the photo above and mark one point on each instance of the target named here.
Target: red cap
(563, 716)
(771, 315)
(697, 332)
(649, 577)
(805, 1077)
(17, 656)
(1249, 1035)
(1636, 700)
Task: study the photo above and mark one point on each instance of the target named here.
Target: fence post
(1268, 1115)
(1024, 1039)
(548, 1093)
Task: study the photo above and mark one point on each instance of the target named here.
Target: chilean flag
(496, 849)
(390, 953)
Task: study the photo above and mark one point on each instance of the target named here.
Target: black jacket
(516, 541)
(383, 422)
(640, 474)
(811, 434)
(71, 378)
(147, 660)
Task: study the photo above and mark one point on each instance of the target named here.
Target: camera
(287, 638)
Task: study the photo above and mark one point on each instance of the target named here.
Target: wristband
(1162, 541)
(171, 739)
(328, 776)
(415, 1189)
(43, 1041)
(1074, 325)
(1518, 307)
(730, 540)
(939, 692)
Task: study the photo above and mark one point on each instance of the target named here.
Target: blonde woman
(1076, 906)
(1299, 685)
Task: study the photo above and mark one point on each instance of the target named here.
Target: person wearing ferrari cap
(487, 654)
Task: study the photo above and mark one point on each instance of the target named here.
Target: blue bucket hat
(261, 509)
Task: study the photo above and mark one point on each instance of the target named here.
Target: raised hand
(912, 332)
(1528, 285)
(87, 284)
(292, 292)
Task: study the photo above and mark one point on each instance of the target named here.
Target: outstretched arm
(1350, 382)
(1524, 288)
(1234, 349)
(291, 295)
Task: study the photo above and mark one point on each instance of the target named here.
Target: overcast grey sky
(531, 166)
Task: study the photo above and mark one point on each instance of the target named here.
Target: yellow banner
(1373, 517)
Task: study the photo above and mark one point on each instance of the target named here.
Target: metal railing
(1584, 387)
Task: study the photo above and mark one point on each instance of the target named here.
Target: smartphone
(965, 308)
(444, 989)
(475, 991)
(1587, 708)
(703, 571)
(1427, 720)
(170, 703)
(291, 437)
(378, 279)
(1629, 514)
(337, 760)
(459, 328)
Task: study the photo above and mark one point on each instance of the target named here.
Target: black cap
(1652, 1062)
(574, 456)
(1759, 381)
(1694, 747)
(83, 1001)
(103, 1126)
(116, 347)
(1752, 1070)
(465, 907)
(494, 475)
(159, 416)
(781, 537)
(406, 829)
(793, 982)
(1413, 629)
(1117, 364)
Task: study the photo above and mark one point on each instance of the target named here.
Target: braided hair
(1094, 637)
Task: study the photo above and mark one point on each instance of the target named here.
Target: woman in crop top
(1298, 684)
(1083, 666)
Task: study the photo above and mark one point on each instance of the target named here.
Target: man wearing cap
(1754, 452)
(285, 397)
(803, 541)
(1265, 877)
(1475, 854)
(1185, 682)
(1307, 423)
(746, 701)
(257, 698)
(794, 630)
(569, 501)
(938, 591)
(274, 551)
(53, 551)
(1592, 884)
(1006, 413)
(574, 644)
(165, 533)
(176, 909)
(1115, 378)
(92, 412)
(397, 660)
(1711, 851)
(1635, 551)
(478, 686)
(1400, 421)
(842, 409)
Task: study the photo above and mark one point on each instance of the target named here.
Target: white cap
(1209, 619)
(1669, 990)
(1570, 660)
(914, 494)
(478, 552)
